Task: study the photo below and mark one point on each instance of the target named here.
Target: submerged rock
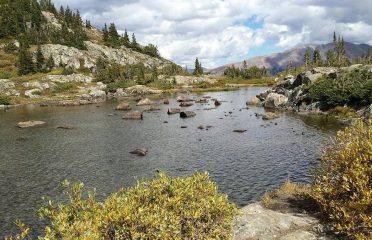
(145, 101)
(174, 110)
(66, 127)
(269, 116)
(123, 106)
(29, 124)
(166, 101)
(151, 108)
(186, 104)
(240, 130)
(133, 115)
(139, 151)
(217, 103)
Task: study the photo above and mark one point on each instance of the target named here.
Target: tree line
(246, 72)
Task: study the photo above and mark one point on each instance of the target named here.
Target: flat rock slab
(174, 110)
(29, 124)
(257, 222)
(123, 106)
(133, 115)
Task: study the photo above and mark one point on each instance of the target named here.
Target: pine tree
(330, 58)
(106, 35)
(289, 67)
(40, 60)
(25, 63)
(134, 43)
(317, 59)
(50, 63)
(125, 39)
(114, 38)
(307, 57)
(198, 68)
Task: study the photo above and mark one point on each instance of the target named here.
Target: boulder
(6, 84)
(202, 100)
(269, 116)
(187, 114)
(274, 100)
(145, 101)
(151, 108)
(68, 78)
(257, 222)
(133, 115)
(29, 124)
(33, 93)
(123, 106)
(174, 110)
(141, 90)
(186, 104)
(183, 99)
(139, 151)
(253, 102)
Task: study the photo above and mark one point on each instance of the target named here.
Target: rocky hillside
(277, 62)
(76, 58)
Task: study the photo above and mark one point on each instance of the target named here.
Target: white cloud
(212, 29)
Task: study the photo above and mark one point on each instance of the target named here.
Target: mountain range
(277, 62)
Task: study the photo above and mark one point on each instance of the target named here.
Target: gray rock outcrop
(257, 222)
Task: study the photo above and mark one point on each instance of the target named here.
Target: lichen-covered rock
(7, 87)
(274, 100)
(141, 90)
(257, 222)
(36, 84)
(133, 115)
(33, 93)
(145, 101)
(253, 102)
(29, 124)
(123, 106)
(68, 78)
(269, 116)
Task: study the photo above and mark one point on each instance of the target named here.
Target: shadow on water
(34, 161)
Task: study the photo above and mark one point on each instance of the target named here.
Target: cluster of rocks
(7, 87)
(290, 93)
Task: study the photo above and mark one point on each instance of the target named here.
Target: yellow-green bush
(343, 183)
(164, 208)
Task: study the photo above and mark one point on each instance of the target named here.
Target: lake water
(33, 162)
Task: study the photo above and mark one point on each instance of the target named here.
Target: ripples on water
(33, 162)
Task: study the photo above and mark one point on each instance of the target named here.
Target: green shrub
(112, 87)
(344, 112)
(68, 71)
(5, 74)
(164, 208)
(350, 87)
(343, 184)
(63, 87)
(4, 100)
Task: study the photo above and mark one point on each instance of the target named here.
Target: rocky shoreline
(290, 93)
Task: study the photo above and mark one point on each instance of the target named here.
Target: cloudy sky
(224, 31)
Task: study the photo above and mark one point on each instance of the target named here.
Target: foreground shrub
(4, 100)
(65, 86)
(343, 184)
(165, 208)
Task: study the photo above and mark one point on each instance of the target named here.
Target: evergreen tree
(134, 43)
(155, 73)
(125, 39)
(330, 58)
(25, 63)
(198, 68)
(245, 64)
(106, 35)
(50, 63)
(114, 38)
(40, 60)
(317, 59)
(289, 67)
(307, 57)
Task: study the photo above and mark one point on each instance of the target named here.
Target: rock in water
(217, 103)
(269, 116)
(186, 104)
(139, 151)
(253, 102)
(174, 110)
(166, 101)
(123, 106)
(133, 115)
(30, 124)
(151, 108)
(202, 100)
(145, 101)
(66, 127)
(240, 130)
(187, 114)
